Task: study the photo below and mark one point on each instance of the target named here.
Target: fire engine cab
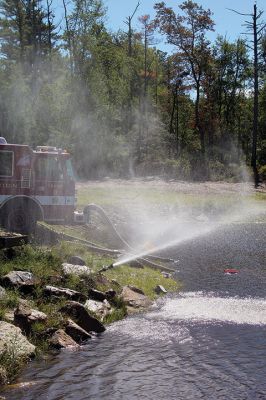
(35, 185)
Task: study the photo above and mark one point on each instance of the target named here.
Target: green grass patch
(121, 194)
(145, 279)
(260, 196)
(8, 302)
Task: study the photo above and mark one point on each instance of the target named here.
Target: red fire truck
(35, 185)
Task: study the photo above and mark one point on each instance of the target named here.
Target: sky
(227, 22)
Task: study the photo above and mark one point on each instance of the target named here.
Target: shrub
(262, 172)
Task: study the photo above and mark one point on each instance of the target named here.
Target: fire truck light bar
(49, 149)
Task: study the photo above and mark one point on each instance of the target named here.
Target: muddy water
(207, 342)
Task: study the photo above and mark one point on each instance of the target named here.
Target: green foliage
(40, 261)
(10, 300)
(116, 315)
(262, 172)
(118, 104)
(10, 361)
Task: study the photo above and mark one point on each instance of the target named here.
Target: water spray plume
(161, 233)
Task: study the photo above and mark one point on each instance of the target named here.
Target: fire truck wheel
(20, 219)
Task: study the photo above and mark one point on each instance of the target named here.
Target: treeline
(123, 107)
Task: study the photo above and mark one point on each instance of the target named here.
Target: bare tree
(128, 22)
(255, 28)
(68, 38)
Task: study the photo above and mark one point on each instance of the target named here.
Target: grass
(145, 279)
(120, 194)
(8, 302)
(106, 197)
(10, 362)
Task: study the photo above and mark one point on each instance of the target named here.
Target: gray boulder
(135, 289)
(82, 317)
(78, 270)
(64, 292)
(13, 342)
(96, 295)
(24, 317)
(99, 308)
(76, 332)
(76, 260)
(22, 280)
(110, 294)
(134, 298)
(61, 340)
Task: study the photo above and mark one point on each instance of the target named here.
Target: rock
(135, 289)
(22, 280)
(110, 294)
(64, 292)
(61, 340)
(82, 317)
(9, 316)
(102, 280)
(96, 295)
(160, 289)
(75, 269)
(2, 292)
(166, 274)
(47, 333)
(101, 309)
(13, 342)
(76, 260)
(24, 317)
(76, 332)
(3, 377)
(135, 299)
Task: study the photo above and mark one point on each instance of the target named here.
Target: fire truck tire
(19, 218)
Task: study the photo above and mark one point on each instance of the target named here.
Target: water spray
(131, 255)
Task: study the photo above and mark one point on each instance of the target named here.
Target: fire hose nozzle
(106, 267)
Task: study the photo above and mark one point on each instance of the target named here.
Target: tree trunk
(177, 124)
(255, 102)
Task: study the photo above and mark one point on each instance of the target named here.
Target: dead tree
(68, 38)
(255, 28)
(128, 22)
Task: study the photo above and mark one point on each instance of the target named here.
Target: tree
(224, 86)
(187, 33)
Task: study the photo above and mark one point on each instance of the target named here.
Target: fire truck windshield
(69, 169)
